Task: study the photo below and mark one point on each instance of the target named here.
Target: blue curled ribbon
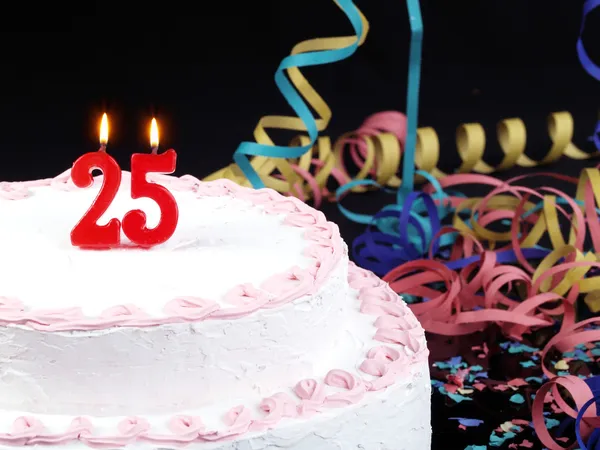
(248, 149)
(588, 65)
(405, 231)
(594, 440)
(595, 138)
(381, 251)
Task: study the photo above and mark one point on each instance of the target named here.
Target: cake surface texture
(248, 329)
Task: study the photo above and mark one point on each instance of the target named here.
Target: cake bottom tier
(378, 400)
(395, 419)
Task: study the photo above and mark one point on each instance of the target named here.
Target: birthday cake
(248, 329)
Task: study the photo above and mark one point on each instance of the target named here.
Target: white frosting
(171, 367)
(199, 368)
(219, 243)
(395, 418)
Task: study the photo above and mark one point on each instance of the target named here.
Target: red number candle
(134, 222)
(87, 233)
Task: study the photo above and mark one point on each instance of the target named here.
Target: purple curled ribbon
(414, 235)
(594, 439)
(588, 65)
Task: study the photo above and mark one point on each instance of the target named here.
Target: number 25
(87, 233)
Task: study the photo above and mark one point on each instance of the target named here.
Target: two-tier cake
(247, 329)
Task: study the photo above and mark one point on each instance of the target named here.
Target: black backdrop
(205, 69)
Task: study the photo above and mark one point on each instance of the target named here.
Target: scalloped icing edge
(326, 250)
(396, 326)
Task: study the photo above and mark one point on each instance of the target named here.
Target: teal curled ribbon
(412, 113)
(295, 100)
(412, 96)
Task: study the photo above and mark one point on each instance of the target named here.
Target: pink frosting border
(326, 249)
(384, 365)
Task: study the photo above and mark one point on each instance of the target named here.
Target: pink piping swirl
(355, 388)
(325, 250)
(11, 305)
(191, 309)
(384, 365)
(186, 426)
(288, 286)
(312, 395)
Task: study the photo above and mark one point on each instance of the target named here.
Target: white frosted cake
(247, 329)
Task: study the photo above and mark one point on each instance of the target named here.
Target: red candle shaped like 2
(134, 222)
(87, 233)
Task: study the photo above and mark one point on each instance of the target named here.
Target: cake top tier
(235, 250)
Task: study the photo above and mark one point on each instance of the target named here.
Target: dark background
(205, 69)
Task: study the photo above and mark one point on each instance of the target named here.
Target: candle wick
(154, 150)
(102, 148)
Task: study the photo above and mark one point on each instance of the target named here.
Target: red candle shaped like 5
(134, 222)
(87, 233)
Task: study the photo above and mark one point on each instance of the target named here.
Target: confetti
(455, 361)
(517, 398)
(551, 423)
(451, 388)
(467, 422)
(456, 380)
(527, 363)
(518, 382)
(456, 397)
(516, 347)
(561, 365)
(521, 422)
(502, 387)
(497, 441)
(538, 380)
(507, 426)
(577, 354)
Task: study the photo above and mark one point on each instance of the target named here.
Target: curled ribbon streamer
(412, 95)
(304, 168)
(585, 396)
(287, 169)
(376, 148)
(465, 284)
(268, 157)
(471, 142)
(589, 66)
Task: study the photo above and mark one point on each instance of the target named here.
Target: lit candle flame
(154, 135)
(104, 130)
